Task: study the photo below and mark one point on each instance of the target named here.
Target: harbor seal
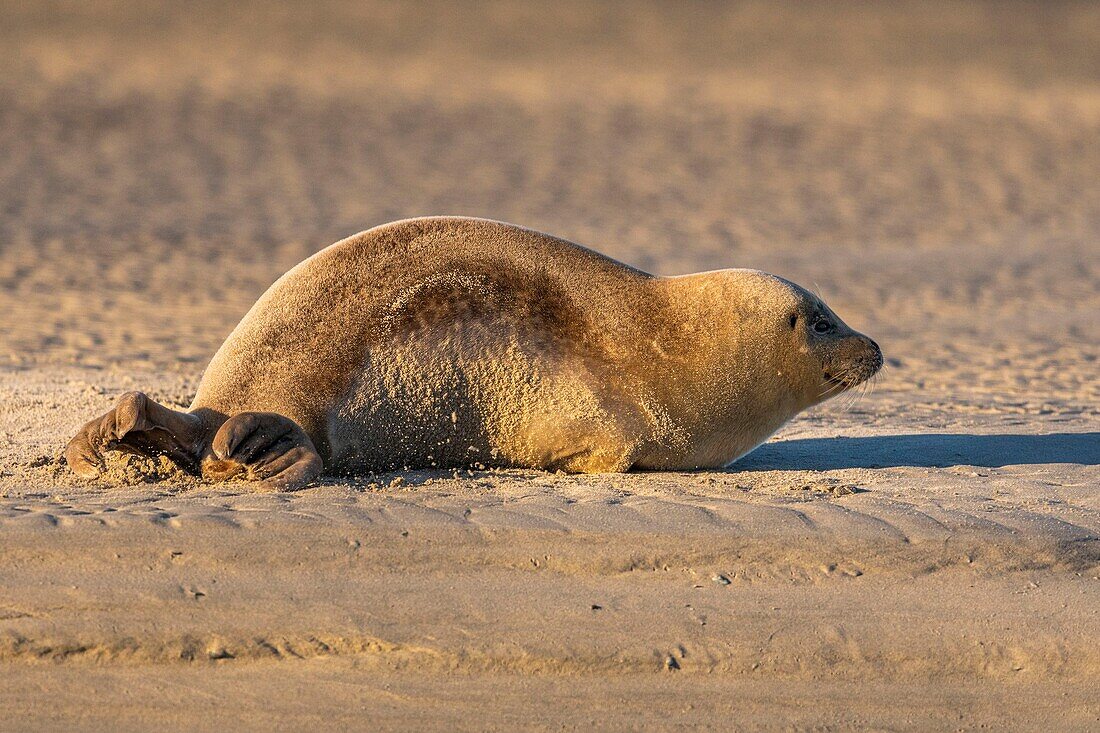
(448, 341)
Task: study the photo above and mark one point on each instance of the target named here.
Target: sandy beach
(925, 557)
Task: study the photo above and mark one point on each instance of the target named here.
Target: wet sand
(927, 557)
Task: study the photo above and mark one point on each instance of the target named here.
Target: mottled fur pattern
(451, 341)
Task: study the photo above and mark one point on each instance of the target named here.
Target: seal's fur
(451, 341)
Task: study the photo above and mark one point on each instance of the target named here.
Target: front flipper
(266, 447)
(138, 425)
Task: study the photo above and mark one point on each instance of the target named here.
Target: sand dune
(925, 557)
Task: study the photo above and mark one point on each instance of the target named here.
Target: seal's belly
(438, 431)
(414, 410)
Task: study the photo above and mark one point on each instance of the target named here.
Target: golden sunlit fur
(453, 342)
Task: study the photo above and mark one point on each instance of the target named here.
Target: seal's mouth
(853, 370)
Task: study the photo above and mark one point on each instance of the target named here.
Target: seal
(448, 341)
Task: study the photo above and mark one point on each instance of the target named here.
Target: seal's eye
(822, 325)
(794, 319)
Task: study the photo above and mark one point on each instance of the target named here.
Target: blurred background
(932, 168)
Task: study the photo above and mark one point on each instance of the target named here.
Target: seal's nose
(871, 359)
(865, 357)
(877, 358)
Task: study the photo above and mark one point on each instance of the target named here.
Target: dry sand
(928, 558)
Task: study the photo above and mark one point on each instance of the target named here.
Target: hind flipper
(138, 425)
(266, 447)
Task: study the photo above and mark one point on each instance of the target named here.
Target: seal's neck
(714, 372)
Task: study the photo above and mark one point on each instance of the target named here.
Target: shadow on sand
(934, 450)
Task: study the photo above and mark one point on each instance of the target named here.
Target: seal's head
(801, 352)
(755, 350)
(839, 357)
